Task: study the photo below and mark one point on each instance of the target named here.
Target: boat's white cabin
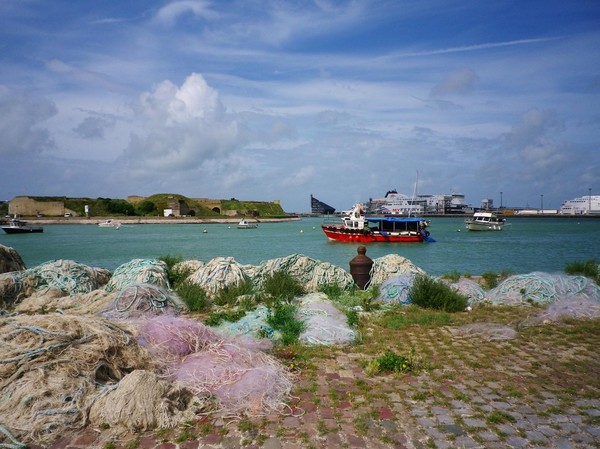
(355, 218)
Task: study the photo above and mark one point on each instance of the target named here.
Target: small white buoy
(458, 230)
(301, 231)
(205, 231)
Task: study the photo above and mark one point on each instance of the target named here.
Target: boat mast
(412, 203)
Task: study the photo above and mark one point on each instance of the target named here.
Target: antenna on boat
(414, 194)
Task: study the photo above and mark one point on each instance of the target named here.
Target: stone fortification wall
(23, 205)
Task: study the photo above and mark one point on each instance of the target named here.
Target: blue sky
(264, 100)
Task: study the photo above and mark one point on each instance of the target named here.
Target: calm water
(525, 244)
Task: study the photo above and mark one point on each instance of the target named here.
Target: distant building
(319, 207)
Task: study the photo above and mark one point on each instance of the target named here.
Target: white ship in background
(396, 203)
(585, 205)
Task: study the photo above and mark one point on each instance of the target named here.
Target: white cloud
(181, 127)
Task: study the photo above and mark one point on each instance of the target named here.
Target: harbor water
(525, 245)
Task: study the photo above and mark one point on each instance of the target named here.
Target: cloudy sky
(272, 99)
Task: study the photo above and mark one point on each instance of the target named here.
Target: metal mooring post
(360, 268)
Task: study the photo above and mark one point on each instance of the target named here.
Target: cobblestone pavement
(539, 390)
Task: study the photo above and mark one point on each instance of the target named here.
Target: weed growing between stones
(390, 362)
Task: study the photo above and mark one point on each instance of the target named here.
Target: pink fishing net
(244, 379)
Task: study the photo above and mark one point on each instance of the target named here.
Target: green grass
(588, 268)
(500, 417)
(282, 318)
(193, 295)
(390, 362)
(216, 318)
(429, 293)
(282, 286)
(230, 294)
(400, 317)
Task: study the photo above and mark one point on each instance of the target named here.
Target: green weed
(230, 294)
(193, 295)
(432, 294)
(282, 317)
(589, 269)
(500, 417)
(401, 317)
(283, 286)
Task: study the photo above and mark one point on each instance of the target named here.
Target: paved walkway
(539, 390)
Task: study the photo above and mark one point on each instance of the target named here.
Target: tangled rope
(139, 271)
(14, 443)
(65, 275)
(311, 273)
(217, 274)
(542, 288)
(391, 265)
(325, 324)
(143, 299)
(53, 365)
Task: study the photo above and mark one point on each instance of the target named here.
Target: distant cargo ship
(319, 207)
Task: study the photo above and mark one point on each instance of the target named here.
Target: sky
(265, 100)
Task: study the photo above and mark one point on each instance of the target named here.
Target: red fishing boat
(355, 227)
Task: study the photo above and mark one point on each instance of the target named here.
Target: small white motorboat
(245, 224)
(485, 221)
(110, 224)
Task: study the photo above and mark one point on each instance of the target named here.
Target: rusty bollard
(360, 268)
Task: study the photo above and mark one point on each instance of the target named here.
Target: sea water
(524, 245)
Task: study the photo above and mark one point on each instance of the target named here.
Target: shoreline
(148, 220)
(234, 220)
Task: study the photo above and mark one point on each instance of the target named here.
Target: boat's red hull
(348, 235)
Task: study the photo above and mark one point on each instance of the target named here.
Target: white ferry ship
(585, 205)
(396, 203)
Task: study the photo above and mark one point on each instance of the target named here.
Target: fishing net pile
(91, 303)
(53, 367)
(542, 288)
(390, 265)
(139, 271)
(136, 300)
(485, 331)
(143, 401)
(217, 274)
(242, 379)
(469, 288)
(311, 273)
(396, 289)
(566, 308)
(10, 287)
(57, 278)
(253, 324)
(10, 260)
(325, 323)
(186, 267)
